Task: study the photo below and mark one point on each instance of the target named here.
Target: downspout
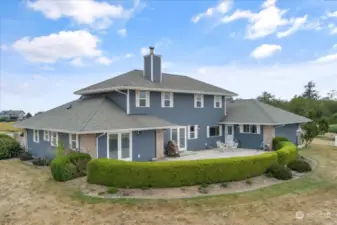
(97, 143)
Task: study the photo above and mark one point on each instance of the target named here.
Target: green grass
(8, 127)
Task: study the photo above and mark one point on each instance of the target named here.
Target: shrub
(80, 160)
(286, 153)
(112, 190)
(177, 173)
(41, 162)
(249, 182)
(25, 156)
(277, 142)
(280, 172)
(224, 185)
(333, 128)
(59, 151)
(9, 147)
(203, 190)
(62, 169)
(300, 165)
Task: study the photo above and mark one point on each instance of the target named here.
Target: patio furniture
(221, 146)
(232, 145)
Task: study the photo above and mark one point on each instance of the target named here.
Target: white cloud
(267, 21)
(265, 50)
(47, 68)
(298, 23)
(331, 14)
(327, 59)
(333, 28)
(222, 8)
(77, 62)
(122, 32)
(58, 46)
(334, 46)
(144, 51)
(104, 61)
(128, 55)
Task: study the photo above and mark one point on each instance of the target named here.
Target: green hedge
(177, 173)
(287, 153)
(69, 166)
(277, 142)
(9, 147)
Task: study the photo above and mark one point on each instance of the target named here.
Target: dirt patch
(29, 196)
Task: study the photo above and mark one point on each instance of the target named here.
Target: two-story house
(12, 114)
(133, 116)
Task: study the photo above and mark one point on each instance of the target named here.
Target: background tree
(310, 92)
(28, 115)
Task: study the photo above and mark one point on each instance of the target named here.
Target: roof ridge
(92, 116)
(259, 104)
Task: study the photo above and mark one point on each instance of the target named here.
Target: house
(133, 116)
(12, 114)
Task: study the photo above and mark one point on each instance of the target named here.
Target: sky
(51, 48)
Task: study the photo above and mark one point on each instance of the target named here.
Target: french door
(120, 146)
(179, 136)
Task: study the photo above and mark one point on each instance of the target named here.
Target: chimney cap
(151, 50)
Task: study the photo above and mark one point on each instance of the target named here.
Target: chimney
(152, 66)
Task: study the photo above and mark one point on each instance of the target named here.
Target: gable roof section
(174, 83)
(251, 111)
(91, 115)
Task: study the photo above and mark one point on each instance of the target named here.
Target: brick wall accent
(88, 144)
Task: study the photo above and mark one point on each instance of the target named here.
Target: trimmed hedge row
(177, 173)
(69, 166)
(287, 153)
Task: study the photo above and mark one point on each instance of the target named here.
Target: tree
(28, 115)
(266, 97)
(331, 95)
(60, 151)
(310, 91)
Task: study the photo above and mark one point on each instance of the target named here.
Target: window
(214, 131)
(167, 99)
(217, 101)
(193, 132)
(120, 146)
(198, 101)
(53, 138)
(73, 141)
(36, 136)
(142, 99)
(250, 129)
(46, 135)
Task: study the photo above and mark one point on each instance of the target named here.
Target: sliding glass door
(179, 136)
(120, 146)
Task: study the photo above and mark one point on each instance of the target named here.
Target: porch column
(268, 134)
(159, 144)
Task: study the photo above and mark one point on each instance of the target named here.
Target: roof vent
(69, 107)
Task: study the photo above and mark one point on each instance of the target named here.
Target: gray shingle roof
(91, 114)
(170, 82)
(251, 111)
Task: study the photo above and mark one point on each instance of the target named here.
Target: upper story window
(36, 136)
(73, 141)
(217, 102)
(250, 129)
(198, 101)
(53, 138)
(142, 99)
(167, 99)
(46, 135)
(214, 131)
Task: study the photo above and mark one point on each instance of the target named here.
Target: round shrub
(300, 166)
(279, 172)
(25, 156)
(124, 174)
(277, 142)
(80, 160)
(62, 169)
(9, 147)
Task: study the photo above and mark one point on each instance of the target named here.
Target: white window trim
(195, 132)
(70, 142)
(36, 138)
(163, 100)
(57, 138)
(220, 131)
(218, 99)
(258, 129)
(119, 153)
(195, 100)
(46, 133)
(147, 99)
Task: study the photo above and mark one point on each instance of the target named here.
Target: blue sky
(49, 49)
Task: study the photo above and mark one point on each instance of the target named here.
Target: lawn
(30, 196)
(8, 127)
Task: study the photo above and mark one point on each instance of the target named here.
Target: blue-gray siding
(287, 131)
(248, 140)
(144, 145)
(102, 145)
(43, 149)
(183, 113)
(119, 99)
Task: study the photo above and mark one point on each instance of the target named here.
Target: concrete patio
(214, 153)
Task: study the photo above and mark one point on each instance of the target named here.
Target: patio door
(229, 133)
(119, 146)
(179, 136)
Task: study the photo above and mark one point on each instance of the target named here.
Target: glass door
(113, 146)
(119, 146)
(179, 136)
(125, 147)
